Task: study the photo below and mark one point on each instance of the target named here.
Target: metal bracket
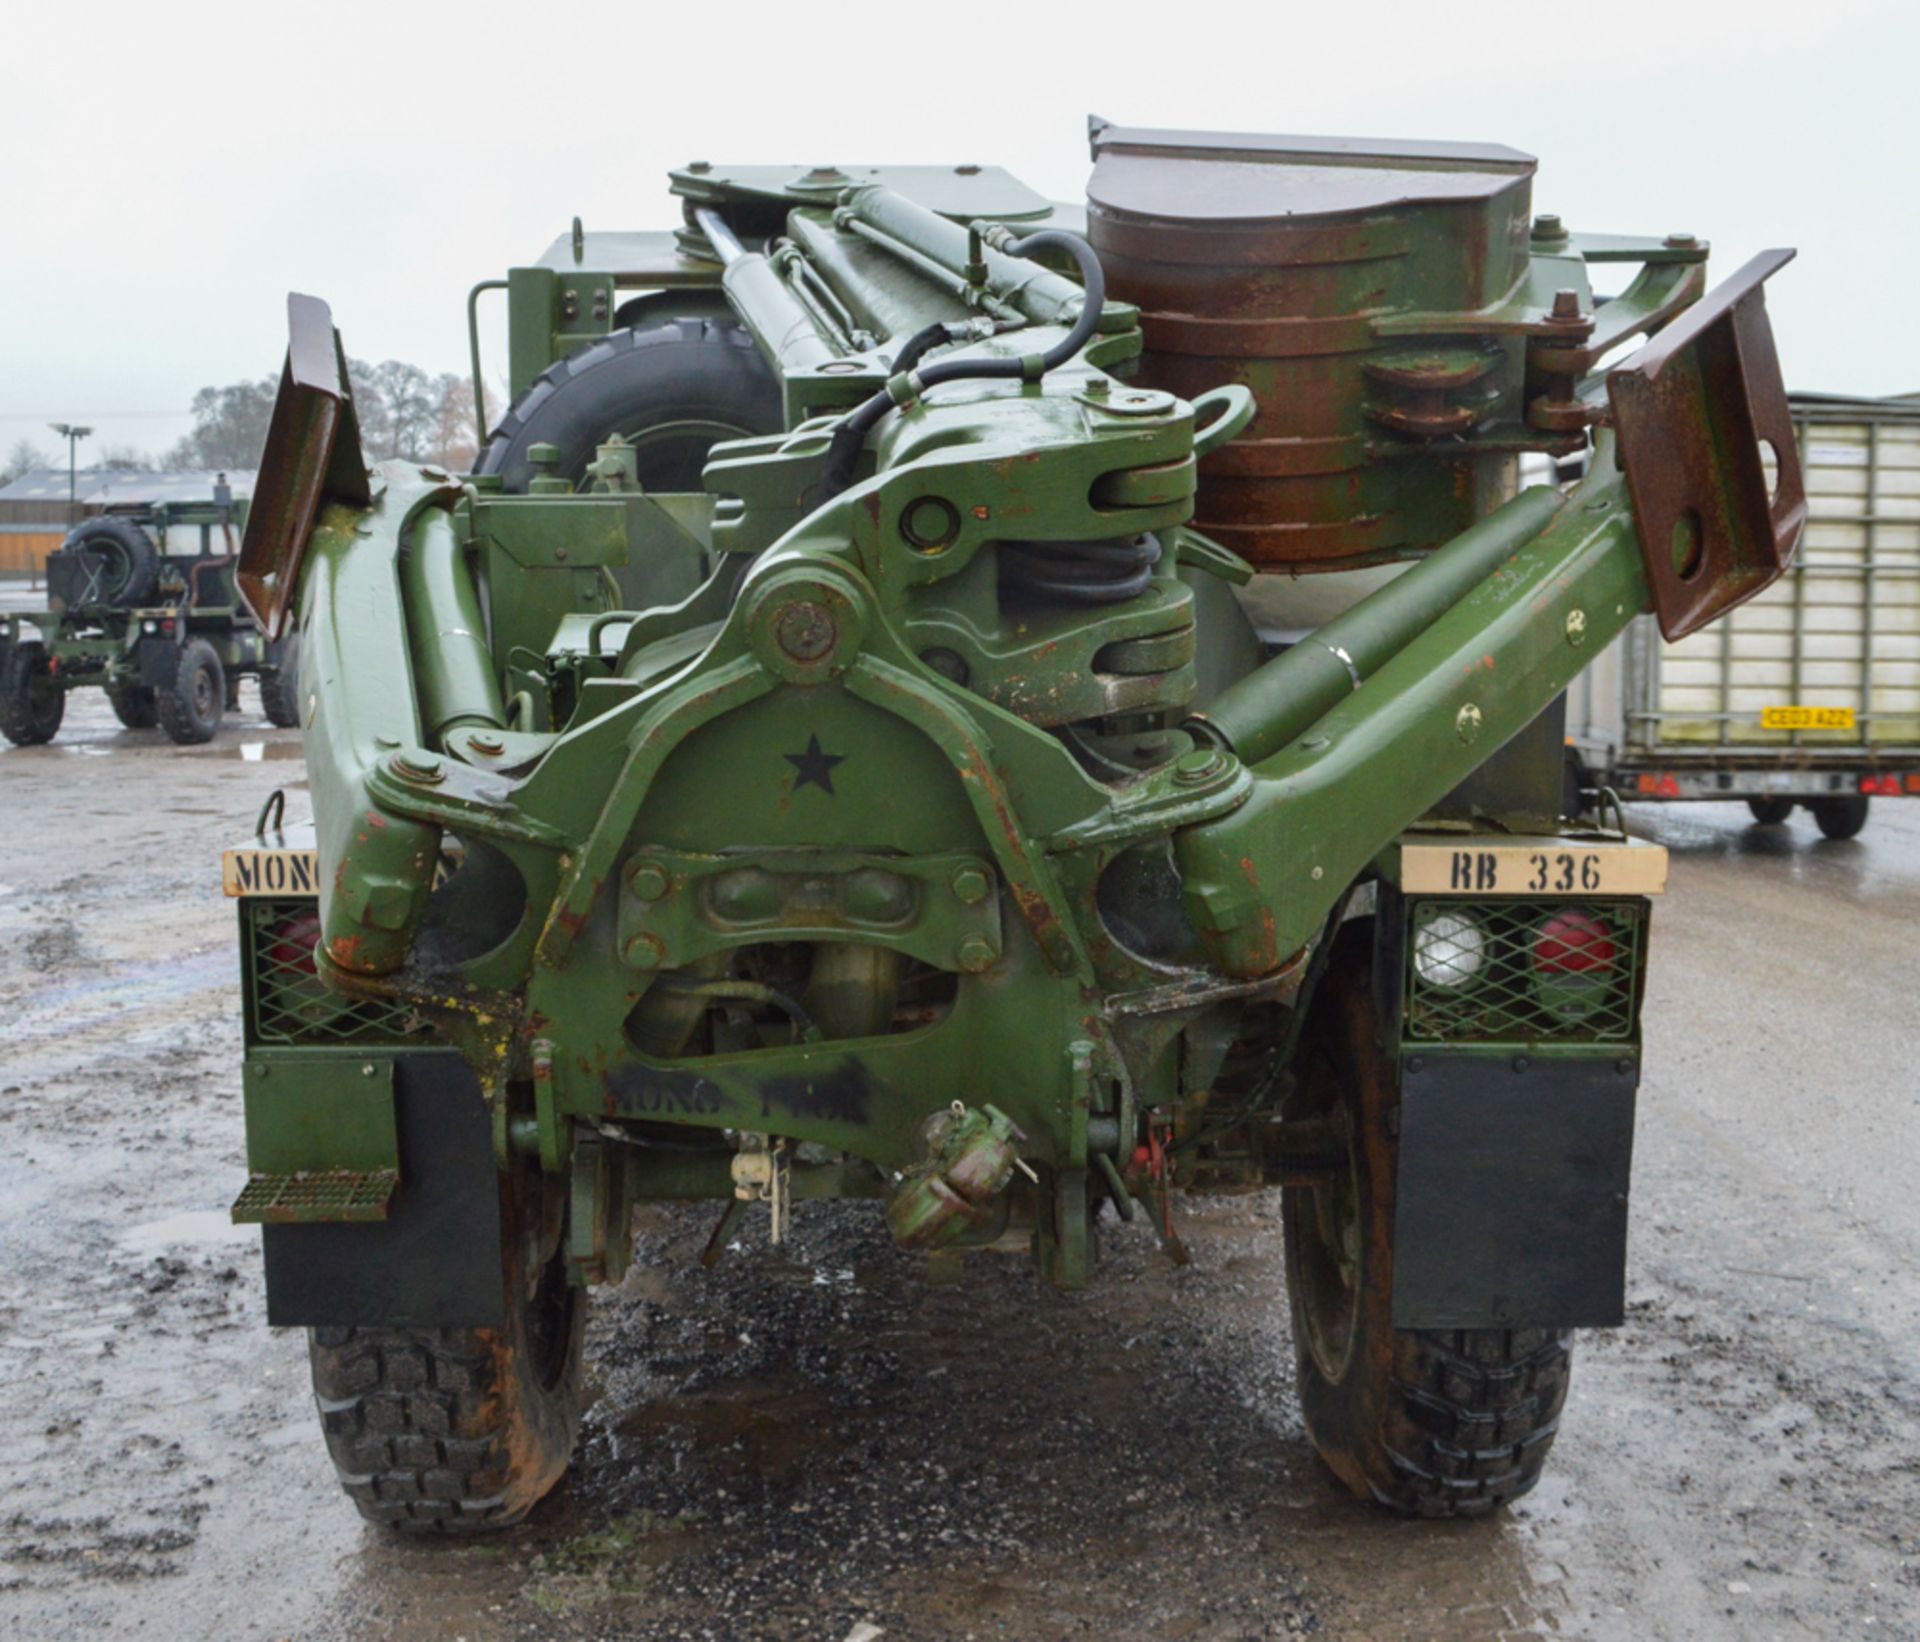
(1692, 410)
(313, 455)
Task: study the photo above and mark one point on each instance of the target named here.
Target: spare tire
(672, 387)
(128, 561)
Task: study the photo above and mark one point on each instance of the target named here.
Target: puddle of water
(260, 752)
(191, 1228)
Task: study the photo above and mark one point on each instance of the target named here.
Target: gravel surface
(810, 1439)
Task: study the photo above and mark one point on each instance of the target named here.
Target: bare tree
(23, 458)
(128, 458)
(405, 414)
(456, 445)
(229, 426)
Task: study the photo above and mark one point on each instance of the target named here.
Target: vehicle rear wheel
(134, 705)
(1770, 812)
(1841, 817)
(672, 388)
(190, 707)
(1431, 1423)
(280, 687)
(460, 1430)
(31, 700)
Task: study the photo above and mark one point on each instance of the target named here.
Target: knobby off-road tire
(31, 702)
(190, 707)
(672, 385)
(458, 1430)
(129, 560)
(280, 687)
(1429, 1423)
(1839, 818)
(134, 705)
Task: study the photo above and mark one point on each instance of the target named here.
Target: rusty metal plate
(313, 455)
(1692, 410)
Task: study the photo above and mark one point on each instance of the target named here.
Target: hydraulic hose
(909, 383)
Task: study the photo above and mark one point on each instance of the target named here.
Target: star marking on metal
(815, 766)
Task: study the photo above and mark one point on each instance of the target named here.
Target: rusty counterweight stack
(1273, 261)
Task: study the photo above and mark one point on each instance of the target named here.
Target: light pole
(73, 434)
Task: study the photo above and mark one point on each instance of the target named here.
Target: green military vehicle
(141, 602)
(896, 716)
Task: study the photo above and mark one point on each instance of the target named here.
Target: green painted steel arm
(1260, 880)
(358, 672)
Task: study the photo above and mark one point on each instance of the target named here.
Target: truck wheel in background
(134, 705)
(460, 1430)
(672, 387)
(1430, 1423)
(129, 560)
(1770, 812)
(190, 707)
(1575, 786)
(280, 687)
(1840, 817)
(31, 703)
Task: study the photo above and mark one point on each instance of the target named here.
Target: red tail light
(290, 943)
(1571, 943)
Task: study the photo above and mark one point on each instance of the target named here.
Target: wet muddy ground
(808, 1439)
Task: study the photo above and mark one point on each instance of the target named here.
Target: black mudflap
(1511, 1199)
(435, 1262)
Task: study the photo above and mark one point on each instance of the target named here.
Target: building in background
(35, 517)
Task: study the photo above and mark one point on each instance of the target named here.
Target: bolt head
(645, 952)
(1548, 226)
(649, 882)
(424, 770)
(805, 631)
(970, 885)
(1566, 304)
(1200, 765)
(975, 954)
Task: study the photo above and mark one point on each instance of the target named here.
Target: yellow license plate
(270, 872)
(1505, 865)
(1806, 718)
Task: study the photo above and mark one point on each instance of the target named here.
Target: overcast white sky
(173, 170)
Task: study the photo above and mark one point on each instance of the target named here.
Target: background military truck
(913, 810)
(1807, 696)
(141, 602)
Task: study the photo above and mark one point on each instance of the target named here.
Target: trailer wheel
(459, 1430)
(1428, 1423)
(1770, 812)
(129, 560)
(672, 388)
(1840, 817)
(190, 707)
(280, 687)
(134, 705)
(31, 700)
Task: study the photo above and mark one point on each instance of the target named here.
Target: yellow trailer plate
(1806, 718)
(1504, 865)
